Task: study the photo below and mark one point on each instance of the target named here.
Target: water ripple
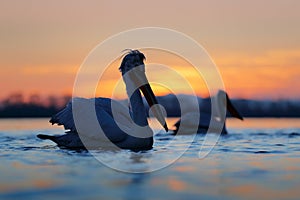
(294, 134)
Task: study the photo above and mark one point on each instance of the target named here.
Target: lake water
(258, 159)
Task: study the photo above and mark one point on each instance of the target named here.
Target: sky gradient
(255, 44)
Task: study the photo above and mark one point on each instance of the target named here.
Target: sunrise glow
(258, 56)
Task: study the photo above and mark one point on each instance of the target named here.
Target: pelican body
(114, 125)
(206, 121)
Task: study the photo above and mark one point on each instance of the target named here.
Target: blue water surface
(258, 159)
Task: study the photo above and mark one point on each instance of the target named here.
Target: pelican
(121, 127)
(192, 121)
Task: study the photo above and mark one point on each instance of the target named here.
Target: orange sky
(255, 44)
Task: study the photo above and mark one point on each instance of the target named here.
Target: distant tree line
(280, 108)
(246, 107)
(16, 106)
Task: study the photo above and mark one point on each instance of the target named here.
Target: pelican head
(133, 58)
(223, 101)
(133, 72)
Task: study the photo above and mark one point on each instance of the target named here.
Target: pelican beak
(138, 78)
(233, 111)
(151, 99)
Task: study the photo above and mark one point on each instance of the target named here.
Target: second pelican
(193, 122)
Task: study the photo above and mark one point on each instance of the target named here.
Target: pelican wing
(65, 118)
(192, 122)
(102, 107)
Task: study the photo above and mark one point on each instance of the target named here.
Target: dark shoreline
(247, 107)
